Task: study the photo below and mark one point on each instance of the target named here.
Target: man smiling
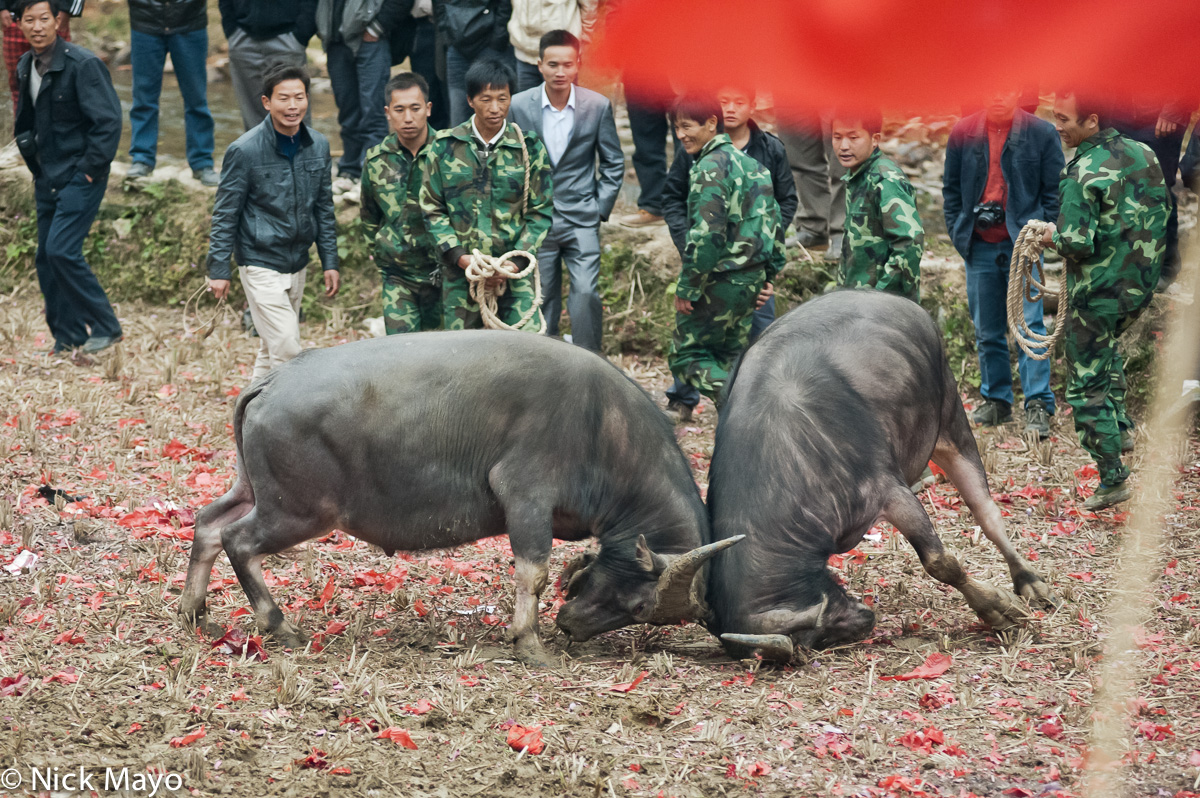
(274, 200)
(731, 251)
(68, 126)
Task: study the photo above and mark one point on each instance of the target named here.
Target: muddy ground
(97, 671)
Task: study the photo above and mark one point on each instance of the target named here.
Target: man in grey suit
(578, 129)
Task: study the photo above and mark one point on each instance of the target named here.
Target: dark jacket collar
(57, 54)
(267, 130)
(1022, 120)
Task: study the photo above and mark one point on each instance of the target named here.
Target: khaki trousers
(274, 300)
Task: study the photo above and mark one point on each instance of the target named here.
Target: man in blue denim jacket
(1002, 170)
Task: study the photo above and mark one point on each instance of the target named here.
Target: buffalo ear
(649, 562)
(575, 568)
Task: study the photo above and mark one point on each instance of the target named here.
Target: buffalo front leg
(247, 542)
(206, 546)
(531, 581)
(965, 469)
(995, 606)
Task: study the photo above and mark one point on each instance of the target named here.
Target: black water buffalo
(433, 440)
(830, 417)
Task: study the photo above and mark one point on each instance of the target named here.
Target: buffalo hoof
(207, 627)
(1034, 589)
(289, 636)
(999, 608)
(532, 655)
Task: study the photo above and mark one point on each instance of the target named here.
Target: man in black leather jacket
(68, 127)
(275, 199)
(178, 27)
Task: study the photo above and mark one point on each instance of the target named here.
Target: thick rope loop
(483, 268)
(1026, 282)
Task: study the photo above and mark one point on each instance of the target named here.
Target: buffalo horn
(679, 596)
(777, 648)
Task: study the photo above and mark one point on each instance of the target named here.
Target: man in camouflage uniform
(1111, 233)
(883, 238)
(391, 213)
(473, 197)
(731, 249)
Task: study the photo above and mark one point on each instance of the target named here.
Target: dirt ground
(409, 687)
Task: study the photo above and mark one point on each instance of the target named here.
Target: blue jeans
(189, 52)
(358, 88)
(528, 75)
(457, 65)
(688, 395)
(75, 302)
(987, 297)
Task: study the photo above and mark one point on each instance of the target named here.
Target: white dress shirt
(486, 147)
(557, 125)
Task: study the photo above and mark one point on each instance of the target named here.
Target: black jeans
(75, 302)
(424, 63)
(648, 124)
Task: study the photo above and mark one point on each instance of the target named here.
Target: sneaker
(1126, 441)
(810, 239)
(681, 412)
(1191, 391)
(1037, 419)
(98, 343)
(138, 170)
(1108, 495)
(992, 413)
(642, 218)
(207, 176)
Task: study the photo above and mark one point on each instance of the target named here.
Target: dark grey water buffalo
(433, 440)
(832, 414)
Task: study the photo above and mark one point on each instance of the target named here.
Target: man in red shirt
(1002, 170)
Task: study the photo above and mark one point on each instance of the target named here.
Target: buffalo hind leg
(206, 545)
(995, 606)
(247, 542)
(957, 455)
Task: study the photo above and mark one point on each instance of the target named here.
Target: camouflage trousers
(410, 305)
(460, 313)
(1096, 381)
(708, 341)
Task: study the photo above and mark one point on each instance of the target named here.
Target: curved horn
(679, 597)
(778, 648)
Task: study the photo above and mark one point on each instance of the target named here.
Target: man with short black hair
(391, 212)
(1111, 233)
(275, 199)
(67, 128)
(580, 134)
(732, 249)
(15, 44)
(884, 238)
(737, 107)
(474, 198)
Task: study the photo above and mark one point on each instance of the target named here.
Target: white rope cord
(483, 268)
(1026, 274)
(206, 329)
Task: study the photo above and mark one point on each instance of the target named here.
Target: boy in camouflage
(391, 213)
(473, 196)
(1111, 233)
(883, 238)
(731, 250)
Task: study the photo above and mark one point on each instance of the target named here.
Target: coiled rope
(483, 268)
(1026, 275)
(192, 307)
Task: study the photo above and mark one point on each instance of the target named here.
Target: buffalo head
(605, 592)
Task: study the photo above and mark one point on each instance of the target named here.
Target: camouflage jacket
(391, 212)
(733, 218)
(1112, 222)
(470, 203)
(884, 238)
